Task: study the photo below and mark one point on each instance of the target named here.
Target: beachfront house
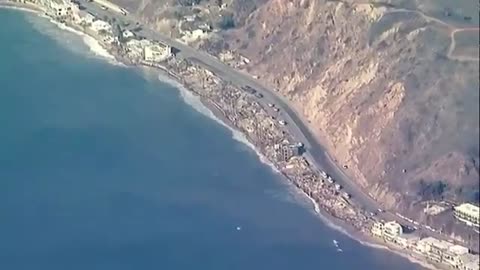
(391, 230)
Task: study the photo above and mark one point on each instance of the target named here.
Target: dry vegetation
(379, 84)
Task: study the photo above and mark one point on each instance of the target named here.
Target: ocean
(107, 167)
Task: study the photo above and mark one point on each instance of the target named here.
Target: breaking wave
(94, 47)
(196, 103)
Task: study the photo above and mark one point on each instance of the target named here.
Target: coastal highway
(315, 153)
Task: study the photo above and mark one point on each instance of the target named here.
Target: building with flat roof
(408, 240)
(468, 213)
(391, 230)
(157, 53)
(452, 255)
(442, 251)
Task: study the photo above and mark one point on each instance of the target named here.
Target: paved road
(315, 154)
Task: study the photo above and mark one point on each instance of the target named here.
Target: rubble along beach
(218, 112)
(93, 171)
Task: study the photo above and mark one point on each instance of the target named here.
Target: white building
(468, 213)
(128, 34)
(442, 251)
(157, 53)
(391, 230)
(453, 255)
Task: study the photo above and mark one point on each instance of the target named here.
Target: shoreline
(219, 116)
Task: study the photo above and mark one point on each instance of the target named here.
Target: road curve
(316, 154)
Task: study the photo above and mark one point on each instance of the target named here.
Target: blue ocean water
(101, 168)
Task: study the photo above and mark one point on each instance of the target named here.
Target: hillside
(390, 88)
(381, 86)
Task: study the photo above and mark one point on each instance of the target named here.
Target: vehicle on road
(282, 122)
(258, 95)
(104, 8)
(346, 196)
(248, 89)
(330, 179)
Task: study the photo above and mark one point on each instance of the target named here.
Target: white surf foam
(195, 102)
(94, 47)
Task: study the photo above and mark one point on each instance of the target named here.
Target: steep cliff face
(381, 86)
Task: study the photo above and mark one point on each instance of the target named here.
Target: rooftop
(437, 243)
(468, 208)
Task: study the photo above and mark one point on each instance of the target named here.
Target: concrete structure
(391, 230)
(285, 151)
(436, 249)
(443, 252)
(407, 241)
(100, 26)
(468, 213)
(157, 53)
(377, 229)
(452, 255)
(136, 48)
(468, 262)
